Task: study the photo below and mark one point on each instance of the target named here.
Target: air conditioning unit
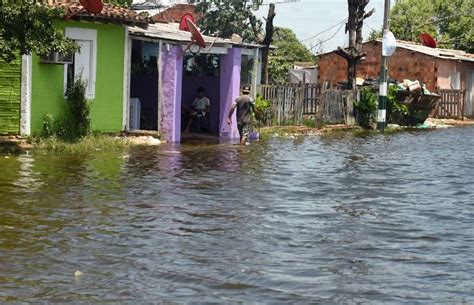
(57, 58)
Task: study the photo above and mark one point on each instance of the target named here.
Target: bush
(80, 109)
(366, 107)
(395, 109)
(48, 126)
(263, 106)
(70, 127)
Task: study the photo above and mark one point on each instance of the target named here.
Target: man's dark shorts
(244, 130)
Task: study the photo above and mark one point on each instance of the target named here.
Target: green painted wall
(10, 96)
(106, 108)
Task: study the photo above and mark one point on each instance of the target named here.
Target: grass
(88, 144)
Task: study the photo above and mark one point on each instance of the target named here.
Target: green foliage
(123, 3)
(450, 21)
(80, 107)
(395, 109)
(226, 17)
(27, 28)
(309, 122)
(366, 107)
(261, 104)
(88, 144)
(263, 107)
(278, 68)
(289, 46)
(288, 51)
(48, 126)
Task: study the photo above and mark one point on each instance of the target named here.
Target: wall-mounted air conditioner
(57, 58)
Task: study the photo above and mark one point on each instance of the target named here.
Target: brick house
(437, 68)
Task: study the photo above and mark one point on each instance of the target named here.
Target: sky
(309, 17)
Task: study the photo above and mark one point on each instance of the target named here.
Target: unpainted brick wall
(404, 64)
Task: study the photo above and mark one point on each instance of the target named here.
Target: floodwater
(332, 219)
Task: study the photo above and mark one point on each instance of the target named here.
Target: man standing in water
(244, 105)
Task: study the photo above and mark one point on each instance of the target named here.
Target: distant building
(437, 68)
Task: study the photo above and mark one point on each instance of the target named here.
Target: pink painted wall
(230, 89)
(446, 67)
(212, 86)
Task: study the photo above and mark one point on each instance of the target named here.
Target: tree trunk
(353, 54)
(269, 29)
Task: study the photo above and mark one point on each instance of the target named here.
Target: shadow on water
(336, 218)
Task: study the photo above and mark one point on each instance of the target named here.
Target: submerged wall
(172, 69)
(230, 89)
(107, 106)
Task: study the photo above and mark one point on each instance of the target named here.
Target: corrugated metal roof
(171, 32)
(447, 54)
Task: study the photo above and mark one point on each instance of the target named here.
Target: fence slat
(451, 105)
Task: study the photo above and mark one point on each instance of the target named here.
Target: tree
(353, 54)
(288, 51)
(451, 22)
(27, 28)
(227, 17)
(267, 40)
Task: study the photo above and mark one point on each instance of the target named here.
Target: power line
(325, 31)
(328, 39)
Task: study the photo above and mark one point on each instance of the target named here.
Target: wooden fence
(451, 105)
(290, 104)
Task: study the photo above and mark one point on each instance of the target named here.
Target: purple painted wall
(211, 84)
(172, 81)
(230, 89)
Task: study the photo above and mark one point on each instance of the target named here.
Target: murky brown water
(333, 220)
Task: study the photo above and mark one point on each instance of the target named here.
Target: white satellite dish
(389, 43)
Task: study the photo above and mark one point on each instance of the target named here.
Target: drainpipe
(382, 107)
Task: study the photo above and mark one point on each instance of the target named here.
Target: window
(84, 62)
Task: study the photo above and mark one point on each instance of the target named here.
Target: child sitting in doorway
(200, 109)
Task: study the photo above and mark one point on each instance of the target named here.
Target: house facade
(38, 85)
(222, 68)
(437, 68)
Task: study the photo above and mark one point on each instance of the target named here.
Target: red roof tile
(175, 12)
(110, 13)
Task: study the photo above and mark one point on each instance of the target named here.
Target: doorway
(200, 71)
(144, 86)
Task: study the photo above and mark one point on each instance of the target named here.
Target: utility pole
(383, 86)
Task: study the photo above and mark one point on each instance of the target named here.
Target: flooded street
(332, 219)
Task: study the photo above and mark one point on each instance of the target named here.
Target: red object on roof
(183, 26)
(92, 6)
(109, 13)
(427, 40)
(197, 37)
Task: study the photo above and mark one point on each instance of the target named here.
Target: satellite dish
(427, 40)
(92, 6)
(182, 24)
(389, 43)
(196, 34)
